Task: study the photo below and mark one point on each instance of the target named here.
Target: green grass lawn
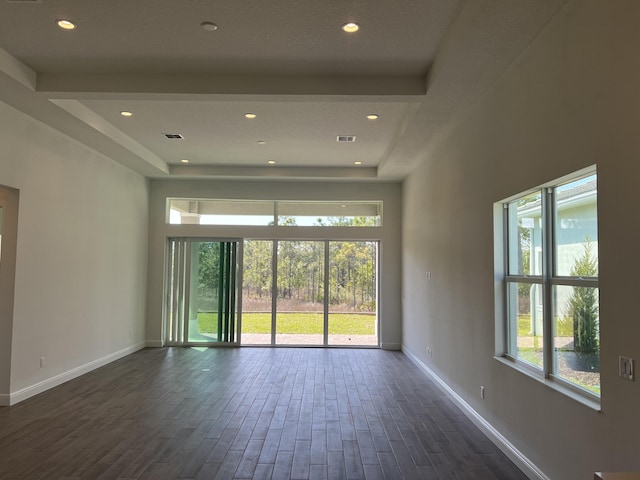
(300, 323)
(564, 327)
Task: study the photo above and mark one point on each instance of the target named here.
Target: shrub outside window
(551, 283)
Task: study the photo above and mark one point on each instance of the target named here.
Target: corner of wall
(40, 387)
(517, 457)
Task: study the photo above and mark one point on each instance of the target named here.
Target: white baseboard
(154, 344)
(61, 378)
(391, 346)
(4, 400)
(515, 455)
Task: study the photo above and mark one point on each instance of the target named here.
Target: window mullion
(275, 213)
(326, 286)
(274, 290)
(575, 281)
(548, 271)
(537, 279)
(508, 338)
(187, 294)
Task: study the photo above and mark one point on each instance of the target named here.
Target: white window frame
(506, 350)
(270, 212)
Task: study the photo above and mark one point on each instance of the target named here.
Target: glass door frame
(325, 301)
(326, 242)
(176, 332)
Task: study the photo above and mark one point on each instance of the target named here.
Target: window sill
(588, 401)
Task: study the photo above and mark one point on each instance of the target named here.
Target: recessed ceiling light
(271, 162)
(357, 163)
(350, 27)
(184, 160)
(261, 142)
(209, 26)
(250, 116)
(125, 113)
(372, 116)
(66, 24)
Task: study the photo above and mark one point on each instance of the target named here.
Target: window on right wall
(550, 280)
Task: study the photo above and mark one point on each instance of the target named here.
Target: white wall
(80, 284)
(571, 100)
(388, 234)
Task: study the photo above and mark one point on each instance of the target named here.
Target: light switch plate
(626, 367)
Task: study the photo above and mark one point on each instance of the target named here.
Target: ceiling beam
(72, 86)
(315, 173)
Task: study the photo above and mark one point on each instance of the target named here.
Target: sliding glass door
(258, 302)
(284, 293)
(279, 292)
(202, 292)
(352, 293)
(300, 306)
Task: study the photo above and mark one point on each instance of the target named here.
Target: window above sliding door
(275, 213)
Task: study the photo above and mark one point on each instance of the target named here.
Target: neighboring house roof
(569, 197)
(590, 187)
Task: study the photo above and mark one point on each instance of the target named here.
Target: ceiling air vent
(173, 135)
(346, 138)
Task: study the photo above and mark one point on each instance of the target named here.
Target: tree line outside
(301, 270)
(300, 280)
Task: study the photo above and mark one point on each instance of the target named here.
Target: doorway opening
(202, 292)
(271, 292)
(9, 199)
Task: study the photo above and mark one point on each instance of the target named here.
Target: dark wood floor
(248, 413)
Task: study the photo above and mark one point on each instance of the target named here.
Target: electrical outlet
(41, 362)
(626, 368)
(482, 392)
(429, 352)
(130, 333)
(427, 275)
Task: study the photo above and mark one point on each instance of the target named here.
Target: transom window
(550, 280)
(281, 213)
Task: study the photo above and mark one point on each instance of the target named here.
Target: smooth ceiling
(418, 64)
(217, 133)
